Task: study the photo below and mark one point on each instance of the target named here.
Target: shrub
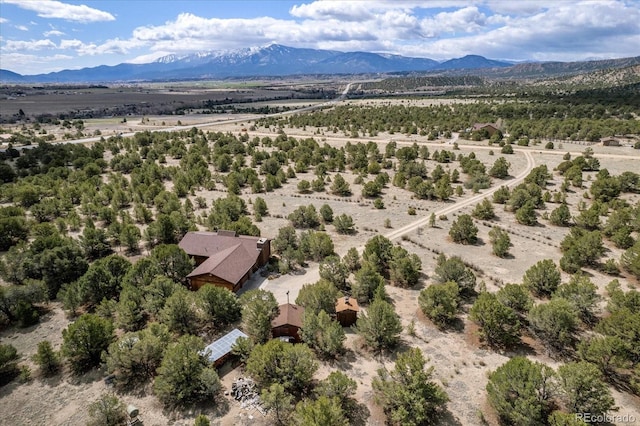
(463, 230)
(484, 210)
(47, 359)
(500, 241)
(542, 278)
(185, 375)
(439, 302)
(516, 297)
(8, 363)
(507, 149)
(555, 323)
(519, 391)
(380, 326)
(108, 410)
(407, 394)
(85, 340)
(499, 324)
(454, 269)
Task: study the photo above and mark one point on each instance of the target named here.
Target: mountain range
(270, 61)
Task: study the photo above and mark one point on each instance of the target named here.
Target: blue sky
(39, 36)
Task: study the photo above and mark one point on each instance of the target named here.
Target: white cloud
(34, 64)
(466, 20)
(520, 7)
(399, 27)
(23, 45)
(22, 27)
(527, 29)
(3, 20)
(53, 33)
(59, 10)
(149, 57)
(189, 32)
(343, 10)
(568, 31)
(71, 44)
(115, 46)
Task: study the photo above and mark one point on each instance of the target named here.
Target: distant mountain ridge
(278, 60)
(272, 60)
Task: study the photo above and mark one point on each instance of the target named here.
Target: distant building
(224, 258)
(610, 142)
(288, 323)
(489, 127)
(347, 311)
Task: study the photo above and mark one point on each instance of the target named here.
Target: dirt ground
(461, 363)
(126, 100)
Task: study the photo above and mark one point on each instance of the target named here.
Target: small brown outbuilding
(347, 311)
(288, 323)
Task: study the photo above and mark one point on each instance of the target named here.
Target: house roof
(290, 314)
(205, 244)
(230, 264)
(229, 256)
(222, 346)
(478, 126)
(347, 304)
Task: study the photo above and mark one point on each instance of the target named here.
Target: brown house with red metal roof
(224, 258)
(288, 322)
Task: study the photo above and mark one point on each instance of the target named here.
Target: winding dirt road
(397, 233)
(285, 289)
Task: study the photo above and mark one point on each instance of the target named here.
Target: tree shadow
(456, 325)
(51, 380)
(448, 418)
(621, 382)
(86, 377)
(215, 407)
(298, 271)
(392, 353)
(228, 367)
(9, 382)
(358, 413)
(421, 281)
(586, 273)
(345, 361)
(522, 348)
(45, 312)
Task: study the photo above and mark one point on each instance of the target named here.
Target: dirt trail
(290, 285)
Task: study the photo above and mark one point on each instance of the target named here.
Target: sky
(41, 36)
